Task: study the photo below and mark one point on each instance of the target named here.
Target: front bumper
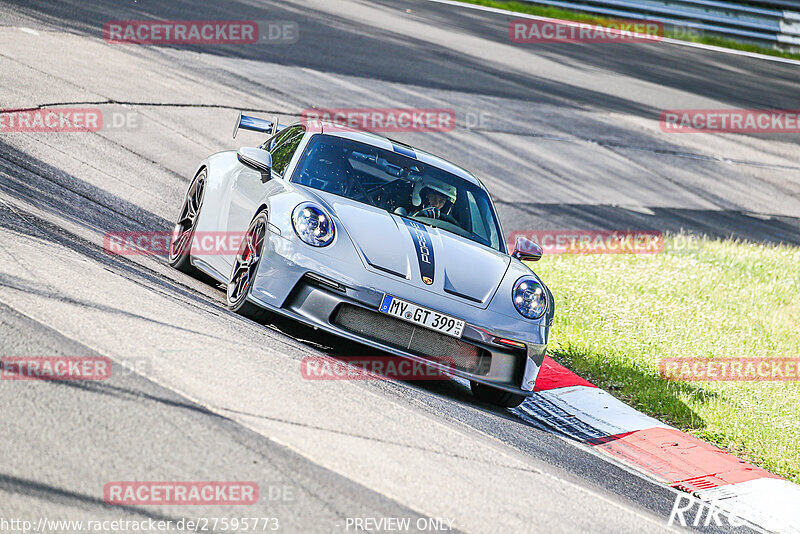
(350, 312)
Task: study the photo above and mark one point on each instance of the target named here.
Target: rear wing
(255, 124)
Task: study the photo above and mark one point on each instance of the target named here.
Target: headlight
(529, 297)
(312, 225)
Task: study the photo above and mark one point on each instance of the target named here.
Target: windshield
(401, 185)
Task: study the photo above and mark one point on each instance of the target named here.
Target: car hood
(427, 258)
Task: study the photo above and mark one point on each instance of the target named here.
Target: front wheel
(496, 396)
(180, 246)
(245, 266)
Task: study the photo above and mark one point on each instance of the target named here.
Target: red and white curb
(566, 402)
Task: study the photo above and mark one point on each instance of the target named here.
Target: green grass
(618, 315)
(558, 13)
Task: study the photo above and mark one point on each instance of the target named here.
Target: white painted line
(644, 210)
(664, 40)
(769, 502)
(27, 30)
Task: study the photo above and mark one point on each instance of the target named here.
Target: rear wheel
(180, 245)
(243, 274)
(496, 396)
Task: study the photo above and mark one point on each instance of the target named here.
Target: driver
(435, 197)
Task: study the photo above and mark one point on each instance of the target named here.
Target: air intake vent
(416, 340)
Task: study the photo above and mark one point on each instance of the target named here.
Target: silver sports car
(374, 241)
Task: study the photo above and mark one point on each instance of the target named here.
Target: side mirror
(527, 250)
(256, 158)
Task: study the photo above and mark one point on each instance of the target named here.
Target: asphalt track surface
(569, 138)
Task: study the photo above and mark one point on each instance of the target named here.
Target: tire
(495, 396)
(180, 244)
(245, 266)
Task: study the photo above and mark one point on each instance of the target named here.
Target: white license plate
(422, 316)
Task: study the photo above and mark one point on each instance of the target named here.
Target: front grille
(414, 339)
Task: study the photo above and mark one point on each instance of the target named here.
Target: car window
(481, 211)
(400, 184)
(277, 139)
(284, 148)
(477, 223)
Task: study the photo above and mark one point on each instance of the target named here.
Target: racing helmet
(446, 190)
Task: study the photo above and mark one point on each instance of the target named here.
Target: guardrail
(772, 22)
